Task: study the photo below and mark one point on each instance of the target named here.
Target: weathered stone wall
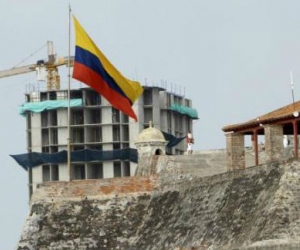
(254, 209)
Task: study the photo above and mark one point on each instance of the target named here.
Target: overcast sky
(232, 58)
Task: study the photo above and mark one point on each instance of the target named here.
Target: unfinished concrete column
(235, 151)
(273, 142)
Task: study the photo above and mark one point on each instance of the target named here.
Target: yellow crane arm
(17, 70)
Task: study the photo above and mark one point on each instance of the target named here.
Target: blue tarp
(34, 159)
(30, 160)
(46, 105)
(172, 140)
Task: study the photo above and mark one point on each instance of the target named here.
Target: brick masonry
(104, 188)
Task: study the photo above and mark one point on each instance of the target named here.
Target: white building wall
(62, 117)
(63, 172)
(107, 137)
(62, 136)
(136, 127)
(37, 176)
(156, 108)
(107, 129)
(108, 170)
(36, 132)
(163, 105)
(163, 120)
(133, 167)
(62, 123)
(36, 140)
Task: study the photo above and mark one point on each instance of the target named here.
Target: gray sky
(233, 59)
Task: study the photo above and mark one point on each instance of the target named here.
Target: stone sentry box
(150, 144)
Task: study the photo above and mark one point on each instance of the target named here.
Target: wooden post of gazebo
(255, 142)
(295, 129)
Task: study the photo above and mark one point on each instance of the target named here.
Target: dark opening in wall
(117, 169)
(95, 171)
(158, 152)
(46, 173)
(79, 172)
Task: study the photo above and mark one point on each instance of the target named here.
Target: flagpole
(295, 113)
(69, 98)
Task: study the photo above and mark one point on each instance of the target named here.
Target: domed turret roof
(151, 134)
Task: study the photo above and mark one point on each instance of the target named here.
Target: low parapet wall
(217, 157)
(100, 188)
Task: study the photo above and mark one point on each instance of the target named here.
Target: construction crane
(41, 67)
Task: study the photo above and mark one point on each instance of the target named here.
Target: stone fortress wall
(174, 202)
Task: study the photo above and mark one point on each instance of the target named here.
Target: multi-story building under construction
(102, 138)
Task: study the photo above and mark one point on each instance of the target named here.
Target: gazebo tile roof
(278, 114)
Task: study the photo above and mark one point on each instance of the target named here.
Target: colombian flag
(93, 68)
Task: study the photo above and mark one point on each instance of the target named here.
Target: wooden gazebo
(273, 125)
